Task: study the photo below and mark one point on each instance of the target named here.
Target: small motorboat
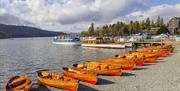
(64, 40)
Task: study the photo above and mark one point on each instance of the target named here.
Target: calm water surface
(24, 56)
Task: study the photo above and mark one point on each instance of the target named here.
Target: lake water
(24, 56)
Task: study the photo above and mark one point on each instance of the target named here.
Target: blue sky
(158, 2)
(76, 15)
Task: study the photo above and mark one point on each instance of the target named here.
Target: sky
(77, 15)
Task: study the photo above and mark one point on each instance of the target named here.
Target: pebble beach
(161, 76)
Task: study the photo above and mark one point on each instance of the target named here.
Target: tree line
(121, 28)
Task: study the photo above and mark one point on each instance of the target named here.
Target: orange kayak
(160, 51)
(125, 64)
(109, 72)
(157, 53)
(137, 56)
(150, 60)
(19, 83)
(91, 65)
(88, 78)
(58, 81)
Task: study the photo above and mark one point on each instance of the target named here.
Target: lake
(24, 56)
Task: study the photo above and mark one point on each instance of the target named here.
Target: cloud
(13, 20)
(96, 10)
(72, 11)
(2, 11)
(166, 11)
(70, 15)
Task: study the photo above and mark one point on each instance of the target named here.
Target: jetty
(124, 42)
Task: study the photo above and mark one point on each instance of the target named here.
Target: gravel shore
(161, 76)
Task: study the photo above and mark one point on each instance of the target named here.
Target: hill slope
(14, 31)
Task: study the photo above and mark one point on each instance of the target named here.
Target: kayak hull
(108, 72)
(91, 79)
(66, 85)
(55, 80)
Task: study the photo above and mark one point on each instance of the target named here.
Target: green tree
(125, 30)
(142, 25)
(91, 30)
(152, 23)
(161, 22)
(163, 29)
(130, 27)
(148, 22)
(136, 26)
(158, 21)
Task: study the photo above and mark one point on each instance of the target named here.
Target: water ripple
(24, 56)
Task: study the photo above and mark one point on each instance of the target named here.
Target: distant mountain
(14, 31)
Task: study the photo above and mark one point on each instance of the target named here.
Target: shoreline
(160, 76)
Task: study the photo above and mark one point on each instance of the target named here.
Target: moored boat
(128, 45)
(110, 46)
(62, 40)
(101, 42)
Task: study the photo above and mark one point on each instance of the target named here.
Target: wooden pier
(148, 42)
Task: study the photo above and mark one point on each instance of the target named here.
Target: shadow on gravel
(104, 82)
(160, 61)
(36, 87)
(127, 74)
(149, 64)
(170, 55)
(140, 68)
(85, 88)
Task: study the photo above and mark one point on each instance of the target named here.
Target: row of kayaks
(88, 71)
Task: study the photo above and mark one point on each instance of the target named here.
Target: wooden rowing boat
(55, 80)
(19, 83)
(85, 77)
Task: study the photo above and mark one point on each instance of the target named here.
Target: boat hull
(125, 64)
(110, 72)
(128, 45)
(67, 85)
(55, 80)
(67, 43)
(110, 46)
(91, 79)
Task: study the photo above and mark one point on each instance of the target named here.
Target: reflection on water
(24, 56)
